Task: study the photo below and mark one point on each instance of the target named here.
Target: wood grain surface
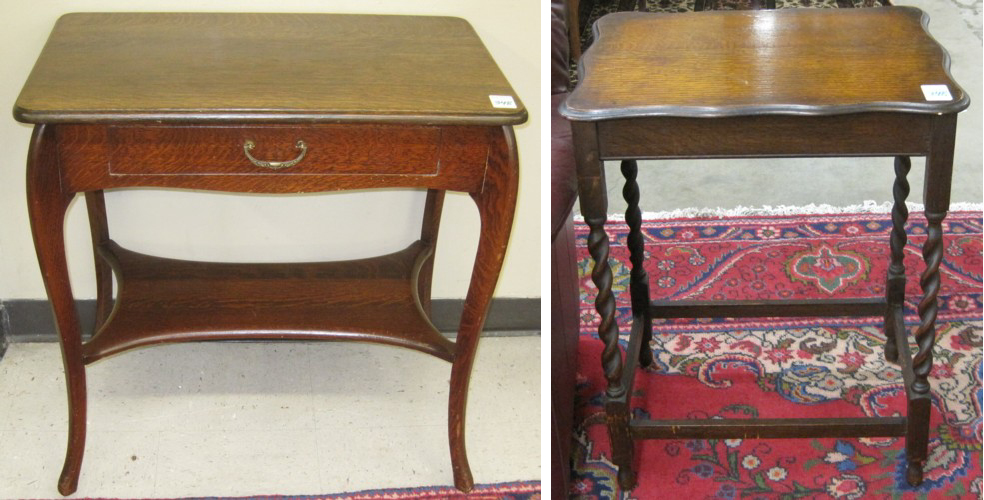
(47, 203)
(854, 134)
(788, 61)
(354, 149)
(761, 84)
(496, 207)
(113, 67)
(170, 100)
(166, 300)
(354, 156)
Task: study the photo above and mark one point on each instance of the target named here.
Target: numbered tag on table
(936, 93)
(503, 101)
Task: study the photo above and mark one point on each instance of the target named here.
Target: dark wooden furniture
(271, 103)
(564, 296)
(701, 5)
(765, 84)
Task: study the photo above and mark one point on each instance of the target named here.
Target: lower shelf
(166, 300)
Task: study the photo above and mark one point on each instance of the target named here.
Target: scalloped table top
(739, 63)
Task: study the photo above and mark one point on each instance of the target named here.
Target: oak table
(787, 83)
(267, 103)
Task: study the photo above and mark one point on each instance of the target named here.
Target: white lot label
(936, 93)
(503, 101)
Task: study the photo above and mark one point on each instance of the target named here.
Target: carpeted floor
(773, 368)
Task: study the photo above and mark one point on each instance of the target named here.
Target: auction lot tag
(936, 93)
(506, 101)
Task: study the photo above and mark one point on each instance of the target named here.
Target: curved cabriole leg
(939, 171)
(895, 286)
(47, 204)
(639, 280)
(95, 204)
(496, 204)
(428, 234)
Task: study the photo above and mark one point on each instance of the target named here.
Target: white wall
(211, 226)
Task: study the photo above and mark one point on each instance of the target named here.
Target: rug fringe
(868, 207)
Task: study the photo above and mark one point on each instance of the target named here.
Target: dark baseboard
(30, 320)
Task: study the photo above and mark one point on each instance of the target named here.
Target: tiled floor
(263, 418)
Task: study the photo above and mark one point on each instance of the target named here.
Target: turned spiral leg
(616, 399)
(639, 281)
(593, 197)
(939, 173)
(920, 403)
(895, 286)
(601, 275)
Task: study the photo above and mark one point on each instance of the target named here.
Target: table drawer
(275, 149)
(212, 157)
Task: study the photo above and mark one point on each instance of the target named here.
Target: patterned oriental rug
(785, 367)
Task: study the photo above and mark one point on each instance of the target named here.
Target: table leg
(428, 234)
(95, 204)
(895, 285)
(574, 28)
(639, 280)
(593, 195)
(496, 205)
(47, 204)
(939, 169)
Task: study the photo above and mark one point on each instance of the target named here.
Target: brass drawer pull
(275, 165)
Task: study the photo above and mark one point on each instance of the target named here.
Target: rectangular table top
(212, 67)
(787, 61)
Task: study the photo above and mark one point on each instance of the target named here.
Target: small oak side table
(267, 103)
(787, 83)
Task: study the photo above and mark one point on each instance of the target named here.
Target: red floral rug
(786, 367)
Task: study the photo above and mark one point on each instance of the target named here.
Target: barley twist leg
(639, 286)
